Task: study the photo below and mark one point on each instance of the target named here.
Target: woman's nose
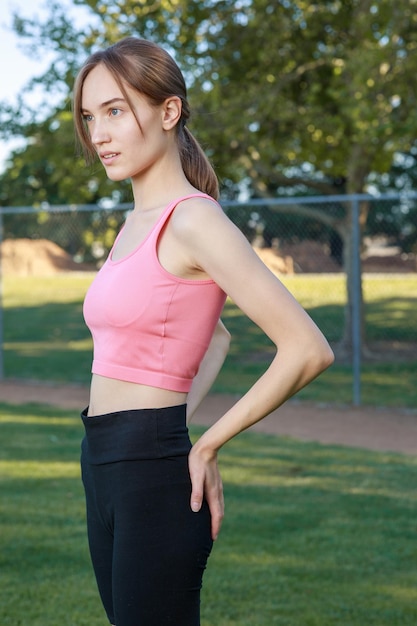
(99, 133)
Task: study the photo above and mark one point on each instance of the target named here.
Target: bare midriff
(108, 395)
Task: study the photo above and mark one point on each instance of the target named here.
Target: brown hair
(150, 70)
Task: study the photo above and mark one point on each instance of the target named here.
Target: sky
(16, 68)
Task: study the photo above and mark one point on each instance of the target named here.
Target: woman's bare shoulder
(194, 216)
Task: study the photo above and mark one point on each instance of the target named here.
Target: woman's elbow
(327, 357)
(322, 357)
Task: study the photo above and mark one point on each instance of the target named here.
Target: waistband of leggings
(135, 434)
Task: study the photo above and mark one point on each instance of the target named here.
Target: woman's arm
(209, 368)
(218, 248)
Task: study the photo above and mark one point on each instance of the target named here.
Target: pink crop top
(149, 326)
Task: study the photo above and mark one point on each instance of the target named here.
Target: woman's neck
(156, 189)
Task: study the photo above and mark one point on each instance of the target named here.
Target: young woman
(154, 502)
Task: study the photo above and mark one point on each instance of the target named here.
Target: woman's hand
(206, 483)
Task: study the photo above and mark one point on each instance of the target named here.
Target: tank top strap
(170, 208)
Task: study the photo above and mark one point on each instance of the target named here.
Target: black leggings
(149, 550)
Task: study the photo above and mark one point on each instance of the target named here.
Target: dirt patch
(397, 263)
(41, 257)
(309, 257)
(362, 427)
(277, 263)
(36, 257)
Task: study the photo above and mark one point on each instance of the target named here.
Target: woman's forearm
(287, 374)
(209, 368)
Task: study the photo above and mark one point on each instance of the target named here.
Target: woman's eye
(87, 117)
(114, 112)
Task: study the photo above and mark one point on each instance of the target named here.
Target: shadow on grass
(392, 319)
(47, 342)
(40, 433)
(312, 535)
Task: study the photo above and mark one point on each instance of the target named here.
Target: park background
(308, 113)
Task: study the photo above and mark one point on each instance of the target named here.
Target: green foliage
(316, 94)
(401, 219)
(325, 84)
(313, 535)
(48, 170)
(309, 95)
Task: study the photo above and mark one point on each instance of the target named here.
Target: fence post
(356, 303)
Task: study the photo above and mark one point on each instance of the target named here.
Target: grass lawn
(45, 336)
(313, 536)
(391, 316)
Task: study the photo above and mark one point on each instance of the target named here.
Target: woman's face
(125, 148)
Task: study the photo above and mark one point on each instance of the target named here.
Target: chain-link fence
(350, 260)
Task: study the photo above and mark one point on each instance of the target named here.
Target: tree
(327, 97)
(398, 220)
(317, 95)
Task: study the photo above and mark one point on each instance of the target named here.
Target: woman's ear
(171, 112)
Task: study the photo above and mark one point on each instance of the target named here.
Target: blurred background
(308, 113)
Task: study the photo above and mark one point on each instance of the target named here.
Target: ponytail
(197, 168)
